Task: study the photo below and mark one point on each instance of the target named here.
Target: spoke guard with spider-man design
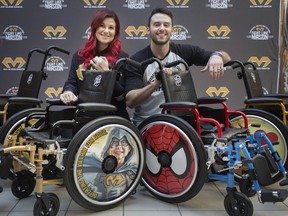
(175, 158)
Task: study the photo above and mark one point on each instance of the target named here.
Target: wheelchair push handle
(128, 61)
(56, 48)
(33, 51)
(233, 64)
(251, 64)
(177, 62)
(151, 60)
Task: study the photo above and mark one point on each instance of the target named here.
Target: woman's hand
(68, 98)
(100, 63)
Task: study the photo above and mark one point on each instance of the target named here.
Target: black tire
(273, 127)
(15, 124)
(39, 208)
(172, 147)
(245, 186)
(243, 203)
(85, 174)
(23, 185)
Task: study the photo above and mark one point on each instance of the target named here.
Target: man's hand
(68, 98)
(215, 67)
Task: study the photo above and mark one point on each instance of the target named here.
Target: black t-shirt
(135, 79)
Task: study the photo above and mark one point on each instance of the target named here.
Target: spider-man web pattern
(176, 176)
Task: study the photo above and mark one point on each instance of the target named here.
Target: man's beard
(160, 43)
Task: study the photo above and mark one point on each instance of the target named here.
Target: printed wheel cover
(96, 175)
(171, 162)
(272, 133)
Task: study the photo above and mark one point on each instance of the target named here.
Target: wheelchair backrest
(179, 87)
(30, 84)
(96, 86)
(252, 81)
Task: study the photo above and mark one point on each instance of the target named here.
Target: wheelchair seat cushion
(42, 136)
(228, 133)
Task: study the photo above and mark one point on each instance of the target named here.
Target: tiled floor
(208, 202)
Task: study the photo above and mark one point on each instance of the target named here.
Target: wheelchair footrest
(262, 170)
(270, 195)
(271, 162)
(284, 182)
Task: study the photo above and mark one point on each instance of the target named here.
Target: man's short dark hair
(161, 11)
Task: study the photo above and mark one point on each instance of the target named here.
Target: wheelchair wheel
(16, 123)
(104, 163)
(40, 209)
(275, 130)
(23, 185)
(175, 159)
(244, 204)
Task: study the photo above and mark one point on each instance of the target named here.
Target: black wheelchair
(98, 156)
(258, 97)
(28, 90)
(184, 148)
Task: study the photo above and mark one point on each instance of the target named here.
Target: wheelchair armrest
(59, 124)
(6, 96)
(24, 100)
(178, 105)
(96, 107)
(54, 101)
(261, 100)
(211, 100)
(282, 96)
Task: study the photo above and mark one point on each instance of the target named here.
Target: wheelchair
(26, 101)
(183, 149)
(257, 97)
(262, 110)
(98, 156)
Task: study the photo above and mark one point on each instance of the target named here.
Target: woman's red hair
(90, 49)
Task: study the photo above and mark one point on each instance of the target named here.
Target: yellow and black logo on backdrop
(260, 3)
(261, 63)
(214, 92)
(51, 92)
(11, 2)
(219, 32)
(177, 3)
(54, 33)
(94, 3)
(136, 33)
(13, 64)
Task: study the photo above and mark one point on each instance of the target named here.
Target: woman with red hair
(101, 52)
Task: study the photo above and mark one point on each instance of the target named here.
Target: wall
(247, 29)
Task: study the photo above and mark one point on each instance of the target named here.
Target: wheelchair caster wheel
(1, 189)
(245, 186)
(23, 185)
(46, 204)
(241, 205)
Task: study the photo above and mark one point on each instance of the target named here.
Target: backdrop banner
(249, 30)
